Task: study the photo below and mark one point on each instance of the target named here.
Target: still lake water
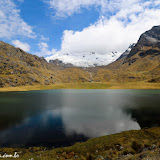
(55, 118)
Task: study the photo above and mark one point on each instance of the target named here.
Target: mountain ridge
(127, 51)
(141, 63)
(149, 38)
(18, 68)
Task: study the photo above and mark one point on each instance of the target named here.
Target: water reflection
(63, 117)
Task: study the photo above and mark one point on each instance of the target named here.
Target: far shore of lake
(86, 85)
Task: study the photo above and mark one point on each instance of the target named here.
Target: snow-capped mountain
(85, 59)
(127, 51)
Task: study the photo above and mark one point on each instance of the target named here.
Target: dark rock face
(157, 45)
(149, 38)
(126, 52)
(60, 63)
(149, 52)
(154, 80)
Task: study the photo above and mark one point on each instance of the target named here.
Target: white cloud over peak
(19, 44)
(130, 19)
(11, 23)
(44, 51)
(108, 35)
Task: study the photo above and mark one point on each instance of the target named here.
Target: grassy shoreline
(128, 145)
(92, 85)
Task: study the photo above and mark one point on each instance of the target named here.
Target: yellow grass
(86, 85)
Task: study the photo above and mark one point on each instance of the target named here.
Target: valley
(141, 63)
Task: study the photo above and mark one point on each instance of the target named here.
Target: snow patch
(85, 59)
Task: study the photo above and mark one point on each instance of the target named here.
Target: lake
(55, 118)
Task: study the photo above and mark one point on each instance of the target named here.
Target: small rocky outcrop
(60, 63)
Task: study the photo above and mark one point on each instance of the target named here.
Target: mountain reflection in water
(63, 117)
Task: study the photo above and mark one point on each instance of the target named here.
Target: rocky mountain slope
(126, 52)
(150, 38)
(18, 68)
(141, 62)
(60, 63)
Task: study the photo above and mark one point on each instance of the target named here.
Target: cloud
(113, 121)
(44, 51)
(21, 45)
(81, 115)
(106, 36)
(64, 8)
(157, 2)
(11, 23)
(115, 33)
(43, 38)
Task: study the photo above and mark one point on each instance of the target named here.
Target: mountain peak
(149, 38)
(85, 59)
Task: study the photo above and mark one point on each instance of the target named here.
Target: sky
(48, 27)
